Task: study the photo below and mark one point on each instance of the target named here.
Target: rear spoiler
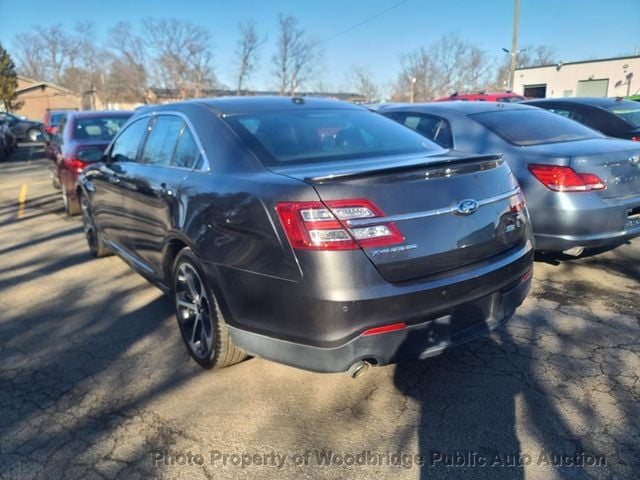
(444, 167)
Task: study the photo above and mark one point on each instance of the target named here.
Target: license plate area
(633, 218)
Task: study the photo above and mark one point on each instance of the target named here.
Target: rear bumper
(463, 323)
(308, 331)
(583, 220)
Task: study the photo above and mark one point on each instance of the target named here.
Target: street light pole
(514, 44)
(412, 89)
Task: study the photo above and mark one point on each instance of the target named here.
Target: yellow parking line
(22, 198)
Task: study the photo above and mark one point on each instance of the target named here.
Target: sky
(577, 29)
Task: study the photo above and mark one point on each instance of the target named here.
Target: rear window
(533, 127)
(98, 128)
(324, 135)
(628, 111)
(55, 119)
(509, 99)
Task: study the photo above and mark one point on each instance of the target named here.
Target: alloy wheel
(194, 310)
(87, 224)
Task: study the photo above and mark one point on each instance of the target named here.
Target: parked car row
(566, 170)
(22, 129)
(79, 138)
(326, 236)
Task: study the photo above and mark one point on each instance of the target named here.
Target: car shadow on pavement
(479, 401)
(61, 402)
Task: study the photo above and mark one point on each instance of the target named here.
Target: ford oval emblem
(466, 207)
(635, 160)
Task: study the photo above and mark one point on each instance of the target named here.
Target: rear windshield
(324, 135)
(628, 110)
(55, 119)
(98, 128)
(533, 127)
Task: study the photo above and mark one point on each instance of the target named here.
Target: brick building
(39, 96)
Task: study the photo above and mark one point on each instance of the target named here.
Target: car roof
(257, 104)
(456, 107)
(99, 113)
(591, 101)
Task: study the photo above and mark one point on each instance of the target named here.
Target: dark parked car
(614, 117)
(80, 140)
(7, 140)
(24, 130)
(582, 188)
(311, 232)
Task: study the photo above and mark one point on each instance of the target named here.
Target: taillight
(635, 138)
(565, 179)
(322, 226)
(76, 165)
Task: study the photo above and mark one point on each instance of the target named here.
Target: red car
(483, 97)
(52, 119)
(80, 139)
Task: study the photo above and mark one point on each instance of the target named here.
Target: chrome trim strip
(428, 213)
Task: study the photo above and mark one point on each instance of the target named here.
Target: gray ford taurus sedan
(582, 188)
(311, 232)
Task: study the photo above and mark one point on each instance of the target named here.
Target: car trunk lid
(615, 162)
(451, 211)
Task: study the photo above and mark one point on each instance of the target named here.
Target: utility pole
(412, 89)
(514, 44)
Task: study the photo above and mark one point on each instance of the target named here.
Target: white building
(609, 77)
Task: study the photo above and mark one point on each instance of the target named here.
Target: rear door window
(569, 113)
(433, 127)
(187, 151)
(125, 147)
(162, 140)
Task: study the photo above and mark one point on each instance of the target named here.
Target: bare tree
(449, 65)
(127, 76)
(361, 82)
(29, 54)
(45, 52)
(296, 55)
(182, 54)
(248, 52)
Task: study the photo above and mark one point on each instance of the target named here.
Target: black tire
(199, 317)
(97, 246)
(33, 134)
(71, 205)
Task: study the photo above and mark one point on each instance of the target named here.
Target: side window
(158, 150)
(125, 148)
(569, 113)
(60, 130)
(436, 129)
(186, 154)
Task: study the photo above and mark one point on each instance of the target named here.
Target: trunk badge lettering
(466, 207)
(401, 248)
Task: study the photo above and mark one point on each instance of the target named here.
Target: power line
(364, 22)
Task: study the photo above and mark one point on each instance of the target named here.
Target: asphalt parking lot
(95, 381)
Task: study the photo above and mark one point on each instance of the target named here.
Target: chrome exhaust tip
(574, 252)
(358, 369)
